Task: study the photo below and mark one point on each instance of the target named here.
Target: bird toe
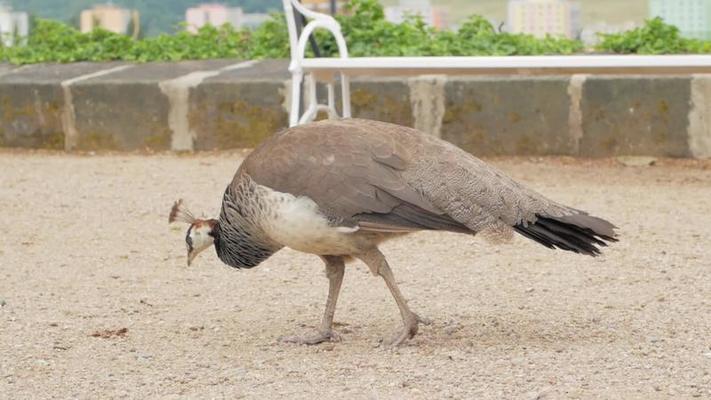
(320, 337)
(408, 332)
(423, 320)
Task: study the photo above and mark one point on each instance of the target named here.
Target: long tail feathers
(579, 233)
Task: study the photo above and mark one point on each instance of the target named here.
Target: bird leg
(335, 269)
(375, 260)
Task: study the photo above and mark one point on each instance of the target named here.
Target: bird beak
(191, 256)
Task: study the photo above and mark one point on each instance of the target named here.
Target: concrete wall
(221, 104)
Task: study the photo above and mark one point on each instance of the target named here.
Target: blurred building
(253, 20)
(324, 6)
(433, 16)
(220, 14)
(692, 17)
(14, 25)
(111, 18)
(212, 14)
(544, 17)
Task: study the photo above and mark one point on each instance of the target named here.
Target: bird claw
(423, 320)
(320, 337)
(408, 331)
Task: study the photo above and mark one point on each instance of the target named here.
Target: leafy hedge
(655, 37)
(369, 34)
(52, 41)
(366, 30)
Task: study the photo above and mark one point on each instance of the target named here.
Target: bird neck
(240, 241)
(239, 249)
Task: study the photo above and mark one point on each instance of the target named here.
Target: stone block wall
(220, 104)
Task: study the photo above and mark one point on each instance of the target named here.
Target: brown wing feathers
(353, 173)
(390, 178)
(409, 218)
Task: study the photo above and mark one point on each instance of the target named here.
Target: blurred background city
(582, 19)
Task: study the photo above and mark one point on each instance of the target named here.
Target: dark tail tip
(579, 233)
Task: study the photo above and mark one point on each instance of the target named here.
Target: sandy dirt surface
(96, 300)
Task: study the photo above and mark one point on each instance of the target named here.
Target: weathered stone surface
(5, 68)
(54, 73)
(507, 116)
(31, 115)
(382, 99)
(240, 107)
(32, 103)
(636, 116)
(270, 70)
(427, 101)
(121, 116)
(700, 117)
(128, 110)
(159, 71)
(231, 103)
(378, 98)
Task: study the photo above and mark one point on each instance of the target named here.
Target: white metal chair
(325, 69)
(298, 44)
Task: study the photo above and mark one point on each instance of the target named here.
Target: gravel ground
(96, 300)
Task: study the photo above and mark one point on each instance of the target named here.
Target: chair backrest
(295, 14)
(300, 21)
(294, 11)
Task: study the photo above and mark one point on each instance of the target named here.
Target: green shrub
(477, 36)
(269, 40)
(52, 41)
(369, 34)
(365, 29)
(208, 43)
(654, 37)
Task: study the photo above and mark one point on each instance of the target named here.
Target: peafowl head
(201, 233)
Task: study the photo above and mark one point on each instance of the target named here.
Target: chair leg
(346, 95)
(332, 113)
(312, 107)
(296, 79)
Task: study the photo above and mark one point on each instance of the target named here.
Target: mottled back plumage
(386, 177)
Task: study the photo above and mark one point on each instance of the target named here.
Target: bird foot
(423, 320)
(408, 331)
(320, 337)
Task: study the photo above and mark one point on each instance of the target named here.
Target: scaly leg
(335, 269)
(375, 260)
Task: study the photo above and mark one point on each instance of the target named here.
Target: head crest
(180, 213)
